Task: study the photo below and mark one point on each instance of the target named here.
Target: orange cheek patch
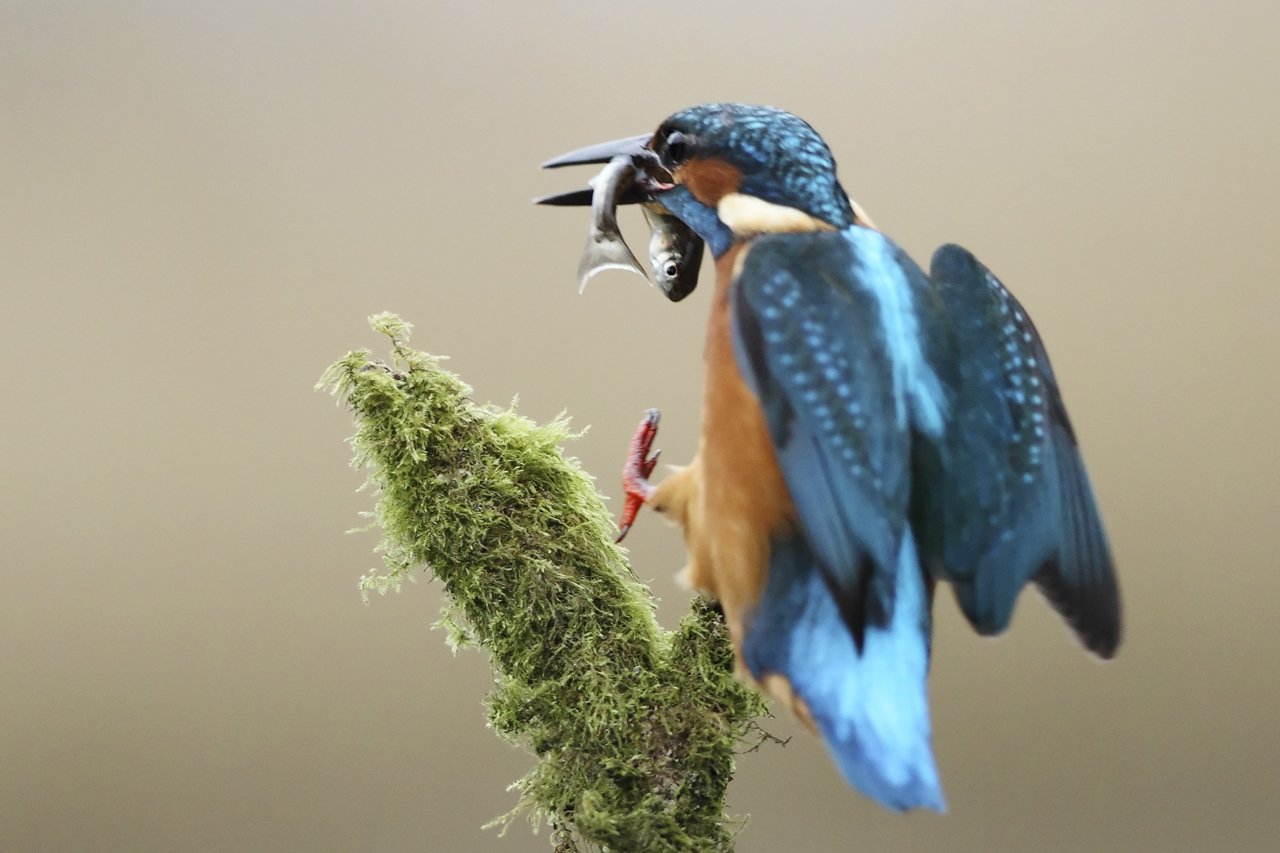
(709, 180)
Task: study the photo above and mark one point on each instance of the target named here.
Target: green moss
(634, 728)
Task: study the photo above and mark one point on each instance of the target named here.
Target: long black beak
(601, 152)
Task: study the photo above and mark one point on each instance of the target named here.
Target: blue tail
(871, 709)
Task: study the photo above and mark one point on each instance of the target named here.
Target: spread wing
(825, 332)
(1002, 497)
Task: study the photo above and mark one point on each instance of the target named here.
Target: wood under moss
(634, 727)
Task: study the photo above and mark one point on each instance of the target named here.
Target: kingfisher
(868, 430)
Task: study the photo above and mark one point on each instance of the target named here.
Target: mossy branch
(635, 728)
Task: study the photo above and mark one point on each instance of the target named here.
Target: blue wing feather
(1003, 497)
(871, 708)
(906, 414)
(825, 332)
(809, 345)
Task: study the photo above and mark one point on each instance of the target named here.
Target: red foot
(635, 474)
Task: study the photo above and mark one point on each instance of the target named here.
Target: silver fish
(675, 253)
(605, 249)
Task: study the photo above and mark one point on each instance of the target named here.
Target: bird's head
(753, 170)
(734, 171)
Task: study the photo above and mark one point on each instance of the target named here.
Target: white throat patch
(746, 215)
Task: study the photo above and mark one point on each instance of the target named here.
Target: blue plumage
(871, 707)
(781, 158)
(906, 411)
(1004, 496)
(904, 408)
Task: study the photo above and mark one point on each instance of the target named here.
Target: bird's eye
(677, 148)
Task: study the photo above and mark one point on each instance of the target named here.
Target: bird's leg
(635, 474)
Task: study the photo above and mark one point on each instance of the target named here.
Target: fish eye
(670, 269)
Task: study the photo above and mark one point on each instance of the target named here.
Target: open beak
(632, 174)
(645, 161)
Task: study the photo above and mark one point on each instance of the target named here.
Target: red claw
(635, 474)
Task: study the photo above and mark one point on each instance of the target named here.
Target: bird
(869, 430)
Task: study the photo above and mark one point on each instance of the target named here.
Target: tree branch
(635, 728)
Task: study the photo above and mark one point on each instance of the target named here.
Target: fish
(606, 249)
(675, 251)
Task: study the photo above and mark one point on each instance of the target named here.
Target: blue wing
(828, 335)
(826, 329)
(1002, 497)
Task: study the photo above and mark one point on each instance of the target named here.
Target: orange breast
(732, 499)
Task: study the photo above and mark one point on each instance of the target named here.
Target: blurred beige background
(200, 204)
